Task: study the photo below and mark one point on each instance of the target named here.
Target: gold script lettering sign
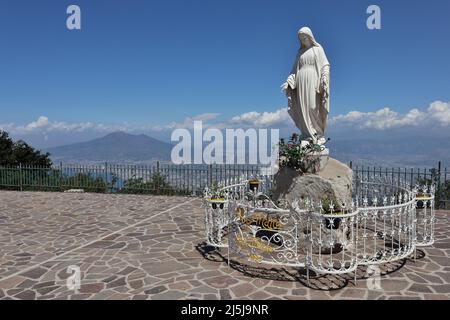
(253, 243)
(259, 220)
(255, 257)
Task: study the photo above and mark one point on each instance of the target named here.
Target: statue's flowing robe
(308, 98)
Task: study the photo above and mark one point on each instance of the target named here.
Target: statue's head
(306, 37)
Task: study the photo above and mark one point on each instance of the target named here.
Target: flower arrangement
(216, 192)
(300, 155)
(216, 195)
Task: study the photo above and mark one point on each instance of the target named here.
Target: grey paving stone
(125, 250)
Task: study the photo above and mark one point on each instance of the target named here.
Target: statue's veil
(307, 31)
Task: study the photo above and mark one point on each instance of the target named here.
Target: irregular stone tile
(116, 283)
(27, 284)
(80, 296)
(403, 298)
(445, 288)
(118, 245)
(155, 290)
(242, 290)
(419, 288)
(225, 294)
(259, 295)
(436, 297)
(26, 295)
(431, 278)
(136, 284)
(182, 285)
(168, 295)
(276, 291)
(46, 290)
(109, 279)
(393, 285)
(299, 292)
(319, 295)
(11, 282)
(34, 273)
(13, 292)
(159, 268)
(220, 282)
(353, 293)
(414, 277)
(44, 284)
(92, 287)
(126, 271)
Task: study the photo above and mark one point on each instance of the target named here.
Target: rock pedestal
(333, 182)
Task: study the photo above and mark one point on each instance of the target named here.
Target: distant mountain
(114, 147)
(120, 147)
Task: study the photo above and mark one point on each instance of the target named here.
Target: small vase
(217, 202)
(253, 185)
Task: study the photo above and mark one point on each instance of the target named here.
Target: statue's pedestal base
(324, 156)
(332, 183)
(315, 162)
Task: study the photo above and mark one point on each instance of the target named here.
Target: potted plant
(329, 207)
(217, 196)
(253, 184)
(421, 194)
(420, 203)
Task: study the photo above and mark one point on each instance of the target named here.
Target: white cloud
(440, 112)
(437, 113)
(41, 122)
(264, 119)
(206, 116)
(43, 125)
(187, 123)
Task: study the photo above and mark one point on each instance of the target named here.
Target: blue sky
(148, 63)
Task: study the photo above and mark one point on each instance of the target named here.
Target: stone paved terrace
(150, 247)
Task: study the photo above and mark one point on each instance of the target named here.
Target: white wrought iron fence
(386, 222)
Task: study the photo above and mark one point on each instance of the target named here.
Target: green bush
(156, 185)
(20, 153)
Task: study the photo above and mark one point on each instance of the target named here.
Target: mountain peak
(118, 133)
(115, 147)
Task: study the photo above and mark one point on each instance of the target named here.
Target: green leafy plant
(20, 153)
(331, 206)
(300, 157)
(216, 191)
(156, 185)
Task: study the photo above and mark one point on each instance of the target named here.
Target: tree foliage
(156, 185)
(19, 152)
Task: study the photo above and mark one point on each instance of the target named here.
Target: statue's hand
(284, 87)
(291, 81)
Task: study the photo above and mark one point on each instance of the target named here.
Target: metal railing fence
(173, 179)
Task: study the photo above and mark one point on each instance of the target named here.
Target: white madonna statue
(308, 89)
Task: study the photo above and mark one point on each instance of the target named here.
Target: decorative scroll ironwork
(386, 221)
